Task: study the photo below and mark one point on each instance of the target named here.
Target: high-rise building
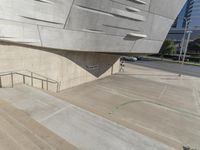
(179, 22)
(190, 12)
(193, 14)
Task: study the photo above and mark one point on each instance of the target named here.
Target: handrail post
(24, 80)
(42, 84)
(0, 82)
(47, 84)
(57, 87)
(31, 78)
(12, 81)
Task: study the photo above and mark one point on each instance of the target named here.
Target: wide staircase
(76, 126)
(18, 131)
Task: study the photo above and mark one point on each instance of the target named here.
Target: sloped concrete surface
(156, 103)
(79, 127)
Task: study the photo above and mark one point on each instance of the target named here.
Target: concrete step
(19, 132)
(82, 128)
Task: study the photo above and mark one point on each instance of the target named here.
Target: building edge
(66, 67)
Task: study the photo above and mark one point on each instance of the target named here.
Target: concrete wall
(77, 29)
(126, 26)
(69, 68)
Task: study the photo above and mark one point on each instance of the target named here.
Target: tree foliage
(194, 46)
(168, 48)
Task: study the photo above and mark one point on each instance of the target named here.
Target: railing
(33, 76)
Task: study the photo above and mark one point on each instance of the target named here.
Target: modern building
(191, 13)
(180, 22)
(76, 41)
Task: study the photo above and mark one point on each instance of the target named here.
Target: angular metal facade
(116, 26)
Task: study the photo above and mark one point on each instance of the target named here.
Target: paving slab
(79, 127)
(19, 132)
(156, 103)
(141, 108)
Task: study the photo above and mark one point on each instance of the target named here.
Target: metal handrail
(47, 80)
(41, 76)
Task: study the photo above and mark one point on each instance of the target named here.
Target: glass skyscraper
(194, 14)
(191, 12)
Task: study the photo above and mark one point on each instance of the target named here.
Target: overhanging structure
(122, 26)
(75, 41)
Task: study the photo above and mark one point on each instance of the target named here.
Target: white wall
(69, 68)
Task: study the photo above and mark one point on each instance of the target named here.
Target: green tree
(168, 48)
(194, 46)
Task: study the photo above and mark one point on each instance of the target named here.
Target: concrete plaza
(141, 108)
(155, 103)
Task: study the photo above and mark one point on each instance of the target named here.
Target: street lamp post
(183, 39)
(186, 47)
(185, 50)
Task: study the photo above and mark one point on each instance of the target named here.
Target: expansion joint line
(39, 35)
(196, 95)
(68, 14)
(163, 92)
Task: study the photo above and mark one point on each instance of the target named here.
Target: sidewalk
(155, 103)
(172, 61)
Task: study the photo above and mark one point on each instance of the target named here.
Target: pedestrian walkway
(156, 103)
(81, 128)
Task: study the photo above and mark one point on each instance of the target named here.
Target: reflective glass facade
(194, 14)
(191, 12)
